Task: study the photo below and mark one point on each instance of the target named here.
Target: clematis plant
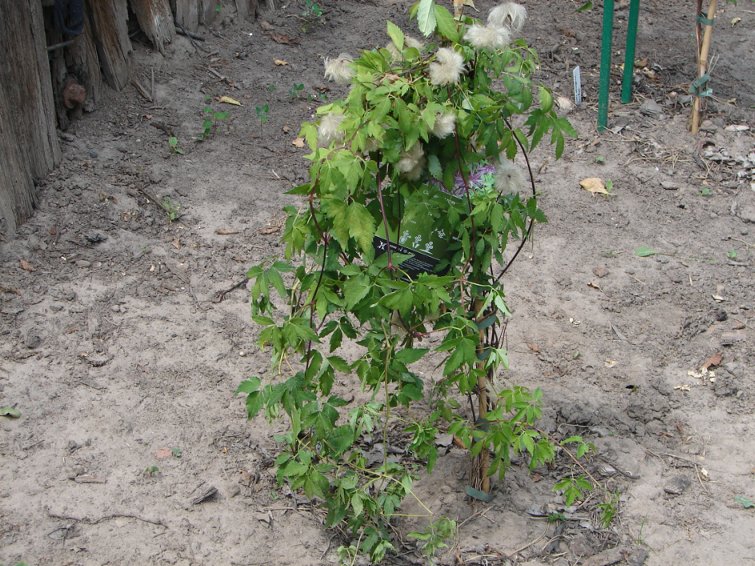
(419, 196)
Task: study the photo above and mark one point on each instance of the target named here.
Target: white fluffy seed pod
(508, 177)
(508, 14)
(447, 68)
(339, 69)
(488, 37)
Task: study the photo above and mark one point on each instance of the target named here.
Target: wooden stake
(479, 477)
(702, 64)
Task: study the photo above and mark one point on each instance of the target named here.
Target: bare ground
(121, 357)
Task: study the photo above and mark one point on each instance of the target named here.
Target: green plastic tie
(698, 87)
(479, 495)
(705, 20)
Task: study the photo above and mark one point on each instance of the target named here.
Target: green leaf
(9, 412)
(745, 502)
(361, 225)
(341, 439)
(426, 17)
(446, 24)
(356, 504)
(355, 289)
(434, 166)
(339, 363)
(464, 353)
(410, 355)
(396, 35)
(585, 7)
(251, 385)
(644, 251)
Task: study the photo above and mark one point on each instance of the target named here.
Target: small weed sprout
(296, 90)
(262, 112)
(312, 10)
(151, 472)
(435, 537)
(174, 146)
(210, 122)
(172, 209)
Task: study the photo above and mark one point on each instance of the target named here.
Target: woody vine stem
(414, 195)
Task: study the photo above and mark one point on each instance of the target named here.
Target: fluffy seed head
(488, 37)
(339, 69)
(508, 177)
(329, 129)
(408, 42)
(412, 162)
(447, 68)
(445, 124)
(508, 14)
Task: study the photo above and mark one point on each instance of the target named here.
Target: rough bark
(110, 27)
(78, 61)
(190, 14)
(29, 146)
(246, 8)
(156, 21)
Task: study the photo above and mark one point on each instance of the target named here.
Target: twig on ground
(220, 295)
(529, 544)
(193, 37)
(91, 521)
(140, 89)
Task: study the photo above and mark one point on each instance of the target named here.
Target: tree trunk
(156, 21)
(29, 145)
(110, 26)
(77, 62)
(191, 13)
(246, 8)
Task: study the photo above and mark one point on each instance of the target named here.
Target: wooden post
(29, 146)
(156, 21)
(702, 64)
(479, 477)
(110, 27)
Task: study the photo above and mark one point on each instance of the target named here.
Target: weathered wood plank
(190, 14)
(187, 14)
(156, 21)
(29, 146)
(246, 9)
(110, 28)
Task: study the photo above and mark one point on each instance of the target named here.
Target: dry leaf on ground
(712, 361)
(298, 142)
(163, 453)
(25, 265)
(226, 231)
(282, 38)
(229, 100)
(280, 62)
(269, 230)
(594, 185)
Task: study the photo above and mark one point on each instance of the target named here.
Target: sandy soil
(131, 447)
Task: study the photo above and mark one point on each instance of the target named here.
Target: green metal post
(605, 65)
(626, 81)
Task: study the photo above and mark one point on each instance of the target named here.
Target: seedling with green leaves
(414, 196)
(263, 113)
(174, 145)
(172, 209)
(312, 10)
(296, 90)
(210, 122)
